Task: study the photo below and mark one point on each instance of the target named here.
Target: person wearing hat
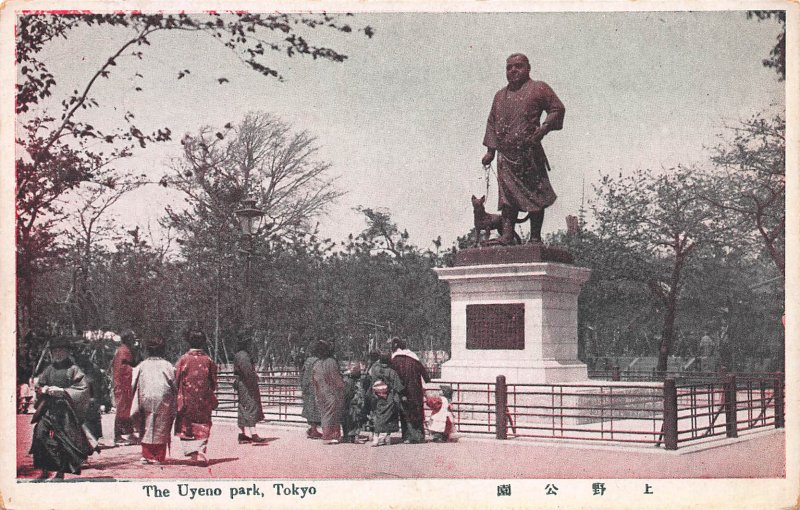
(196, 381)
(250, 410)
(60, 441)
(328, 392)
(122, 372)
(153, 406)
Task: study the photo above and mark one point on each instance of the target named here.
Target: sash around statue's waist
(521, 153)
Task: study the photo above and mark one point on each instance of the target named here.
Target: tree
(89, 226)
(58, 153)
(262, 158)
(777, 56)
(382, 234)
(617, 313)
(748, 182)
(660, 221)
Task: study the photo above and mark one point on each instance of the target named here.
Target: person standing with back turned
(196, 381)
(122, 372)
(414, 375)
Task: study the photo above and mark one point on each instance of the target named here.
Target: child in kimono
(385, 401)
(440, 423)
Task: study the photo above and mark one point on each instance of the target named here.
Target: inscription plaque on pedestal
(496, 326)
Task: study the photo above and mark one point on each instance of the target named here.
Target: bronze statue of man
(514, 130)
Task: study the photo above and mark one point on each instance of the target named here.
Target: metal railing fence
(670, 412)
(281, 397)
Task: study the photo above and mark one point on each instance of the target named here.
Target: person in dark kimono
(95, 381)
(514, 130)
(250, 410)
(354, 416)
(122, 371)
(299, 359)
(373, 366)
(328, 392)
(384, 400)
(60, 440)
(154, 401)
(414, 376)
(196, 380)
(310, 410)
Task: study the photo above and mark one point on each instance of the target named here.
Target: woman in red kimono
(122, 371)
(196, 380)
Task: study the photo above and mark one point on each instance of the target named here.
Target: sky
(402, 119)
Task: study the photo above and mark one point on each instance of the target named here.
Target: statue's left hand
(538, 135)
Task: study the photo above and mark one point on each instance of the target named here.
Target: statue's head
(518, 69)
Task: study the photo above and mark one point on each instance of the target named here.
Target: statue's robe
(522, 166)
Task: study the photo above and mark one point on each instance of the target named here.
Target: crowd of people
(388, 398)
(156, 401)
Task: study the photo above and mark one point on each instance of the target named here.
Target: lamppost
(250, 218)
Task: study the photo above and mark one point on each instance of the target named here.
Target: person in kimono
(384, 401)
(196, 380)
(354, 415)
(249, 406)
(61, 442)
(122, 373)
(440, 423)
(154, 401)
(328, 392)
(414, 376)
(95, 381)
(373, 366)
(310, 410)
(513, 129)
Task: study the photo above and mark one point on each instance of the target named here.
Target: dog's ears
(474, 197)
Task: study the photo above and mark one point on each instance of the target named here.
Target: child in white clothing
(440, 422)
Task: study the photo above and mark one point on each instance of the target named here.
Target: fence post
(730, 406)
(670, 426)
(615, 373)
(777, 396)
(501, 407)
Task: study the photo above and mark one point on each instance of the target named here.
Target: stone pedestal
(537, 301)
